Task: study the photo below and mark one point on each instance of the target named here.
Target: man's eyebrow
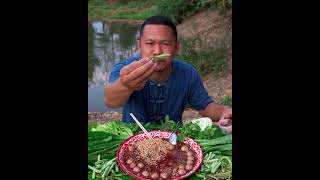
(148, 40)
(163, 41)
(167, 41)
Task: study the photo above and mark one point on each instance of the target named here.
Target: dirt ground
(93, 117)
(211, 27)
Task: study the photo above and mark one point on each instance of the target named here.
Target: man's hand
(135, 75)
(225, 122)
(220, 115)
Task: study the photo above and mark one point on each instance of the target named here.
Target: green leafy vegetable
(193, 130)
(115, 127)
(105, 139)
(203, 122)
(161, 57)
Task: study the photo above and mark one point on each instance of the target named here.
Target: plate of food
(143, 158)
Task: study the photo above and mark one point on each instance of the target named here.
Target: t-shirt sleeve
(115, 72)
(199, 97)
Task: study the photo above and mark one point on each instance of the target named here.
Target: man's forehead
(153, 29)
(150, 26)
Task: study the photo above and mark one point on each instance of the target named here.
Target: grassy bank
(227, 100)
(206, 59)
(178, 11)
(209, 59)
(121, 9)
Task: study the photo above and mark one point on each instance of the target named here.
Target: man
(151, 90)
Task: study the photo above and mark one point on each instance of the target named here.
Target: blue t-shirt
(169, 97)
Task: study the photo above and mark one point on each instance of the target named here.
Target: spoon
(140, 125)
(173, 137)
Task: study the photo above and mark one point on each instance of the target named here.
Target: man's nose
(157, 49)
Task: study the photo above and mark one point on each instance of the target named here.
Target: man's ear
(139, 44)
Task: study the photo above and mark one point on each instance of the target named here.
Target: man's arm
(118, 94)
(220, 115)
(132, 77)
(216, 112)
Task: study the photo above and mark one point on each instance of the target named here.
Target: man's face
(158, 39)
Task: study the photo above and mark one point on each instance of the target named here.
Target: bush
(227, 100)
(179, 10)
(208, 60)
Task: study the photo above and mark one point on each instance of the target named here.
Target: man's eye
(166, 44)
(149, 43)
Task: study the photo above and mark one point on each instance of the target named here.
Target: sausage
(181, 171)
(140, 165)
(190, 158)
(136, 169)
(164, 175)
(181, 166)
(190, 162)
(129, 161)
(171, 147)
(131, 148)
(155, 176)
(188, 167)
(145, 173)
(189, 153)
(184, 148)
(132, 165)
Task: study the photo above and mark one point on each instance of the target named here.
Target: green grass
(227, 100)
(135, 9)
(180, 10)
(177, 10)
(208, 59)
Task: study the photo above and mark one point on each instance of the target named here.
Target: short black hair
(160, 20)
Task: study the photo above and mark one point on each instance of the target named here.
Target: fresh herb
(194, 131)
(105, 139)
(117, 128)
(161, 57)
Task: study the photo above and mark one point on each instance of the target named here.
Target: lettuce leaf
(115, 127)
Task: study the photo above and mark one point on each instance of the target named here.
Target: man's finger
(224, 122)
(140, 72)
(141, 81)
(222, 117)
(226, 129)
(131, 67)
(141, 86)
(145, 77)
(228, 115)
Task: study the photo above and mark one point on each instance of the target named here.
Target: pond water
(108, 44)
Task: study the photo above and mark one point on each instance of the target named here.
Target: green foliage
(104, 140)
(179, 10)
(227, 100)
(92, 59)
(122, 9)
(193, 130)
(206, 60)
